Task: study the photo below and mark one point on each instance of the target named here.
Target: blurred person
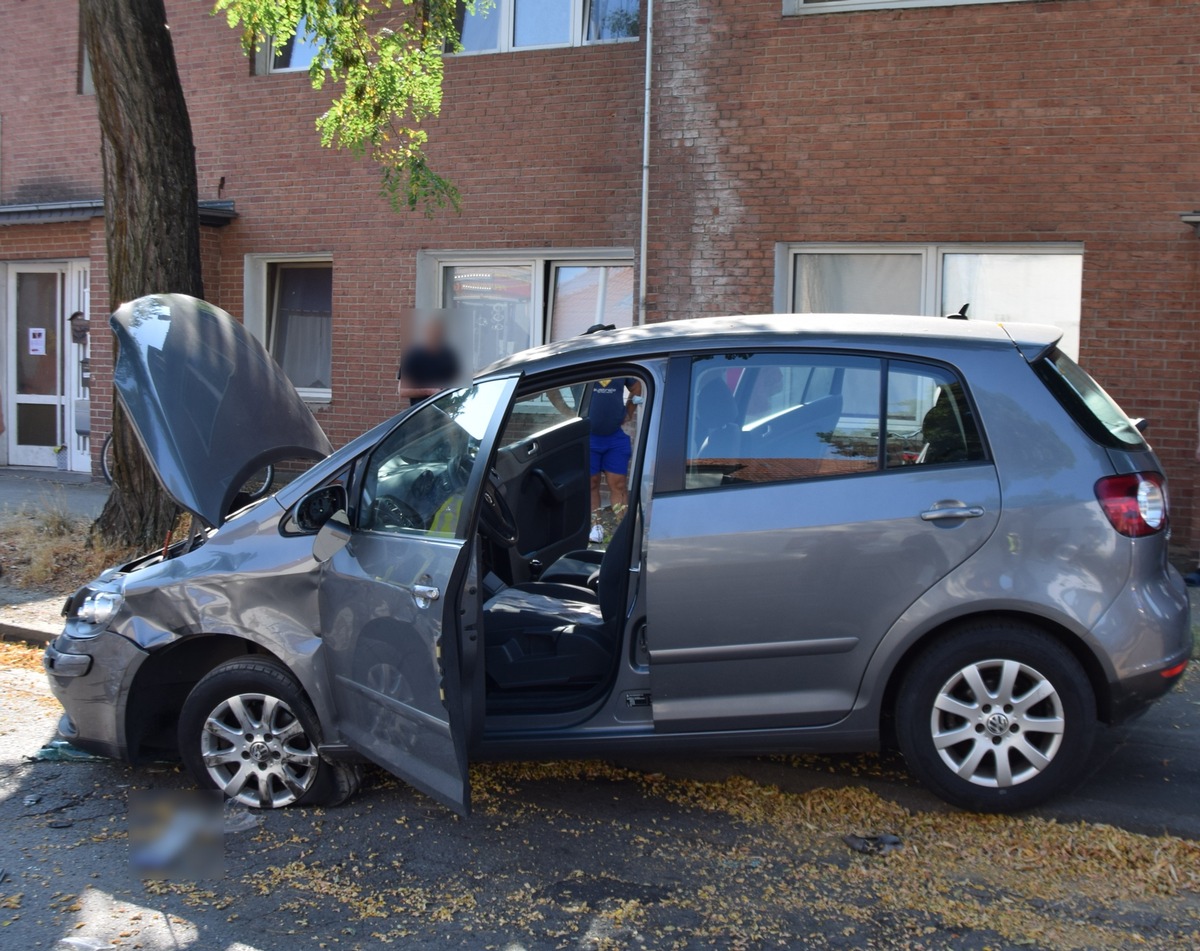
(431, 363)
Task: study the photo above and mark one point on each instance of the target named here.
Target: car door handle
(423, 594)
(558, 491)
(952, 511)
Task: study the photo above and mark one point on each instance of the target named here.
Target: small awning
(1191, 218)
(214, 213)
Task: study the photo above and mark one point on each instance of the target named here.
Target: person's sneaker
(596, 536)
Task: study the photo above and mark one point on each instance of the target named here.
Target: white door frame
(71, 295)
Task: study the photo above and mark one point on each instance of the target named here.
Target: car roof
(825, 330)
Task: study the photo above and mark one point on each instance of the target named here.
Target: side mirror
(332, 538)
(316, 508)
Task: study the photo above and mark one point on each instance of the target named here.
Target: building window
(289, 307)
(797, 7)
(1039, 283)
(537, 24)
(295, 55)
(84, 85)
(517, 300)
(582, 295)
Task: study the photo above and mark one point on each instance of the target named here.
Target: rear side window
(779, 417)
(1087, 403)
(929, 419)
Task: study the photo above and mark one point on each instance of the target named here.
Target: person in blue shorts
(611, 447)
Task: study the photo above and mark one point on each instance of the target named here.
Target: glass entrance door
(36, 408)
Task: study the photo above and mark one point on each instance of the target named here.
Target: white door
(43, 365)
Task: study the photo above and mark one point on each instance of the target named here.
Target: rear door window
(780, 417)
(929, 419)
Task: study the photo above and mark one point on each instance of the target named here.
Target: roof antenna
(961, 315)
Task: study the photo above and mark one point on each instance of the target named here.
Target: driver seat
(546, 634)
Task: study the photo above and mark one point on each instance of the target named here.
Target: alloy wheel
(257, 751)
(997, 723)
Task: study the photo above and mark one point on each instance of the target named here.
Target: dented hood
(206, 400)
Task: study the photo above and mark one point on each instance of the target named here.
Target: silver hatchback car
(842, 532)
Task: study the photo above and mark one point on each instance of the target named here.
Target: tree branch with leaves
(387, 56)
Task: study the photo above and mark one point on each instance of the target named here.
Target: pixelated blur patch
(176, 834)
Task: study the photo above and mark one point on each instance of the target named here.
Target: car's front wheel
(248, 730)
(996, 717)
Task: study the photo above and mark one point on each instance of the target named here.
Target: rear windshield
(1087, 403)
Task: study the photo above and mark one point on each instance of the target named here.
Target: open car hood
(206, 400)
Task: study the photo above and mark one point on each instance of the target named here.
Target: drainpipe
(641, 316)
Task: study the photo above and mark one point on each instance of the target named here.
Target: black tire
(1030, 742)
(106, 459)
(259, 484)
(270, 760)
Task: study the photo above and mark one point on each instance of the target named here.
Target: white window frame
(506, 9)
(255, 298)
(931, 268)
(431, 267)
(809, 7)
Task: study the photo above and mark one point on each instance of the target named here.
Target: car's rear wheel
(996, 717)
(248, 730)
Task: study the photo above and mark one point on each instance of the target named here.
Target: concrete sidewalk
(22, 489)
(30, 614)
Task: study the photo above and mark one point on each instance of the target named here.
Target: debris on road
(60, 751)
(873, 844)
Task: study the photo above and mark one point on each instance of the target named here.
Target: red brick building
(1037, 160)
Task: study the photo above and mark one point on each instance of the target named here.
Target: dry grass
(48, 547)
(20, 656)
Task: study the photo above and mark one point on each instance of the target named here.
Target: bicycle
(257, 486)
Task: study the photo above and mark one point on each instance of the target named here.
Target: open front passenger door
(396, 597)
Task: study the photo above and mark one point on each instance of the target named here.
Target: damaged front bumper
(90, 677)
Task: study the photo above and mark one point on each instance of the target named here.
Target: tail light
(1136, 504)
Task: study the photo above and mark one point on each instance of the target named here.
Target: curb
(38, 636)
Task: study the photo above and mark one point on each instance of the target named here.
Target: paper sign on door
(37, 341)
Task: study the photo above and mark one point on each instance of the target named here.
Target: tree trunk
(152, 224)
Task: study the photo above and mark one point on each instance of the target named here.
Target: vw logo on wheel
(997, 723)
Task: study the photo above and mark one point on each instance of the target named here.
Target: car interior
(553, 609)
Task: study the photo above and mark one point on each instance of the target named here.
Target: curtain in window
(858, 284)
(302, 328)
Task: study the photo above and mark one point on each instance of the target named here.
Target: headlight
(99, 607)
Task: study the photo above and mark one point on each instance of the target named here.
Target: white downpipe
(645, 223)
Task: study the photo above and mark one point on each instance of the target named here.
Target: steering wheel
(391, 513)
(496, 519)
